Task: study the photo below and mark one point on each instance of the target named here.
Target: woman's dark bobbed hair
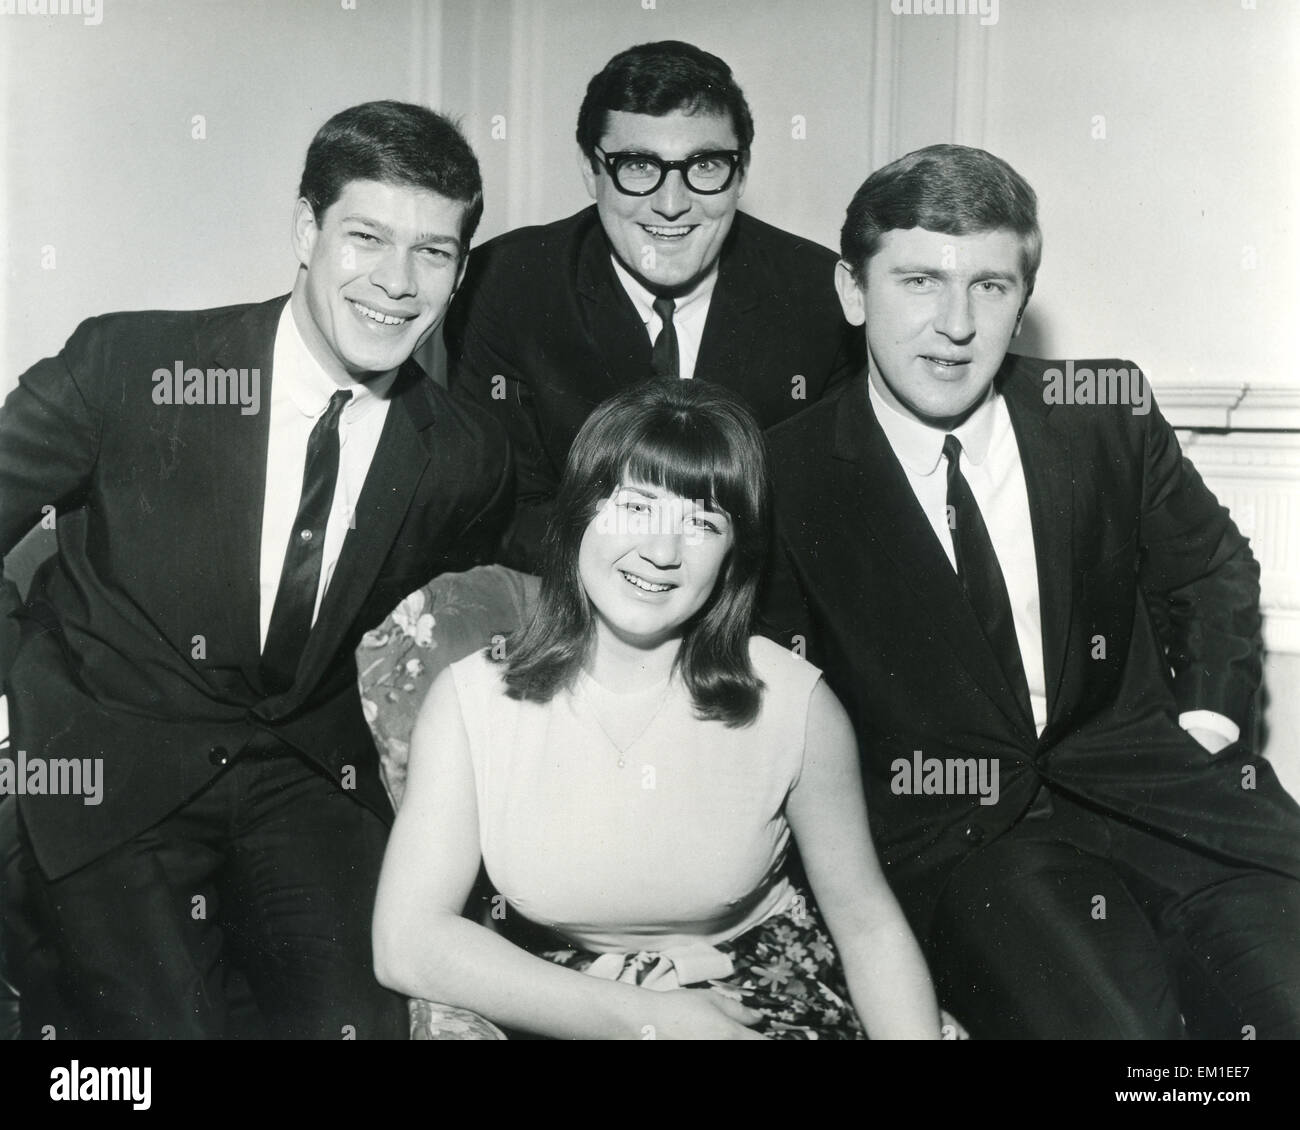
(697, 441)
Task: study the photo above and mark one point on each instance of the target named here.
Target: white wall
(99, 162)
(1174, 239)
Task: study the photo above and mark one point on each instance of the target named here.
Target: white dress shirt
(300, 393)
(990, 463)
(689, 316)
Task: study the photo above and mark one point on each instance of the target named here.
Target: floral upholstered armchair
(449, 618)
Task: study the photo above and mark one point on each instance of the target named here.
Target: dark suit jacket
(159, 511)
(1131, 547)
(542, 309)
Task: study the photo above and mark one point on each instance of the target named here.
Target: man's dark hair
(953, 189)
(698, 441)
(395, 143)
(658, 78)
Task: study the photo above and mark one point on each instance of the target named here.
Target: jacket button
(218, 755)
(974, 834)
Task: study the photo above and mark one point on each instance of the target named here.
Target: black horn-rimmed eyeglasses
(640, 174)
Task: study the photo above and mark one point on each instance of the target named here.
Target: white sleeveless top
(684, 844)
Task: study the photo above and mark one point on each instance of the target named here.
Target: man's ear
(460, 270)
(589, 174)
(305, 230)
(742, 174)
(852, 299)
(1021, 315)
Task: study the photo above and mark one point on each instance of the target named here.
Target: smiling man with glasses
(662, 279)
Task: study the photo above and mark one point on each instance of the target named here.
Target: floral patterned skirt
(786, 968)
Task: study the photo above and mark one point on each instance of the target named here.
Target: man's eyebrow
(642, 151)
(385, 230)
(948, 272)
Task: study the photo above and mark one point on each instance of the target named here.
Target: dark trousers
(265, 881)
(1077, 925)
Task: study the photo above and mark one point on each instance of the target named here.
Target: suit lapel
(903, 533)
(729, 329)
(610, 320)
(1049, 479)
(236, 504)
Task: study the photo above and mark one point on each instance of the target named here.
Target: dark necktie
(981, 576)
(664, 360)
(295, 600)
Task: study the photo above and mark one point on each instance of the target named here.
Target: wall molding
(1256, 475)
(425, 76)
(527, 103)
(1270, 407)
(884, 83)
(970, 84)
(1251, 405)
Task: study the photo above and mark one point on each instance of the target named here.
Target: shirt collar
(310, 387)
(919, 446)
(643, 299)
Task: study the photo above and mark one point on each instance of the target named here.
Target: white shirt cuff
(1225, 727)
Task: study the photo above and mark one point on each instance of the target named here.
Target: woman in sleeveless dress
(633, 770)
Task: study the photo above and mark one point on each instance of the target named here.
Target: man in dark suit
(1045, 629)
(239, 494)
(662, 277)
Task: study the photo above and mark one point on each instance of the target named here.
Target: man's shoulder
(1077, 394)
(813, 429)
(523, 276)
(535, 243)
(154, 325)
(1022, 367)
(783, 247)
(459, 421)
